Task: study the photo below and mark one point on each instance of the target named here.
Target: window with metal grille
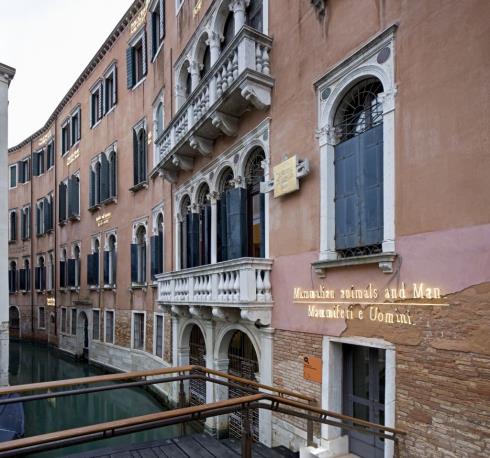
(109, 326)
(63, 320)
(73, 321)
(96, 324)
(159, 336)
(42, 318)
(138, 331)
(359, 170)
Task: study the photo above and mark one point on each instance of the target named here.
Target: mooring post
(309, 429)
(247, 439)
(182, 404)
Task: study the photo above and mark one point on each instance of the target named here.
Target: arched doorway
(14, 322)
(197, 357)
(82, 335)
(242, 363)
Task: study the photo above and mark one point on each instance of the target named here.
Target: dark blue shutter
(14, 226)
(76, 196)
(371, 182)
(113, 174)
(160, 252)
(22, 279)
(106, 267)
(162, 19)
(35, 164)
(207, 234)
(28, 279)
(222, 229)
(134, 263)
(91, 188)
(154, 243)
(143, 263)
(130, 67)
(135, 158)
(143, 51)
(71, 272)
(28, 169)
(62, 202)
(262, 225)
(347, 205)
(79, 122)
(194, 239)
(62, 274)
(114, 268)
(95, 267)
(104, 178)
(42, 273)
(236, 209)
(37, 278)
(20, 168)
(90, 273)
(114, 87)
(38, 220)
(70, 197)
(46, 214)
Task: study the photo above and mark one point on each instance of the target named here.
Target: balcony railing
(239, 282)
(239, 78)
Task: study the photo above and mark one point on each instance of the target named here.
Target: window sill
(94, 208)
(110, 109)
(154, 58)
(12, 241)
(110, 287)
(384, 261)
(94, 288)
(96, 124)
(136, 286)
(139, 83)
(141, 185)
(62, 222)
(110, 200)
(74, 218)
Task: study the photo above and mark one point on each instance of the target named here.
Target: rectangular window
(65, 138)
(63, 320)
(75, 123)
(50, 155)
(13, 176)
(42, 318)
(136, 60)
(69, 198)
(109, 326)
(73, 321)
(25, 222)
(96, 324)
(138, 331)
(23, 169)
(110, 89)
(96, 104)
(157, 27)
(159, 336)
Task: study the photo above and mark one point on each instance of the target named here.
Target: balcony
(228, 291)
(239, 81)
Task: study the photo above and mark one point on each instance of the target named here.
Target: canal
(30, 363)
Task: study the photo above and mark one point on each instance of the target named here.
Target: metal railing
(275, 399)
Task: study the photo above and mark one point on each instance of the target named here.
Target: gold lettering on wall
(197, 8)
(285, 179)
(73, 156)
(103, 219)
(139, 19)
(45, 138)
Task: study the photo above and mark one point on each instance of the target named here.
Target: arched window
(13, 226)
(184, 232)
(225, 185)
(138, 257)
(25, 276)
(255, 205)
(228, 30)
(206, 62)
(358, 126)
(139, 155)
(97, 182)
(157, 247)
(93, 260)
(254, 15)
(113, 174)
(63, 269)
(40, 279)
(159, 119)
(50, 273)
(110, 262)
(13, 277)
(188, 85)
(76, 255)
(204, 230)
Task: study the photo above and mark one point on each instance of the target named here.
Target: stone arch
(14, 321)
(202, 44)
(184, 337)
(220, 17)
(183, 79)
(182, 204)
(199, 197)
(224, 172)
(83, 334)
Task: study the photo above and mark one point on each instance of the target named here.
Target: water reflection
(30, 363)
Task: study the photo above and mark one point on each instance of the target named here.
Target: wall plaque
(312, 369)
(51, 301)
(285, 179)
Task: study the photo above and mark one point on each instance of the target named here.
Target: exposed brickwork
(123, 328)
(167, 346)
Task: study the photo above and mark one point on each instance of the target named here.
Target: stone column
(238, 7)
(194, 71)
(265, 416)
(6, 75)
(214, 227)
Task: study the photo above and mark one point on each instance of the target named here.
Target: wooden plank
(171, 450)
(214, 446)
(192, 448)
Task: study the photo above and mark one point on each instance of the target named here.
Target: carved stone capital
(201, 144)
(226, 123)
(213, 196)
(239, 5)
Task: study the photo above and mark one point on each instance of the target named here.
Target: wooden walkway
(195, 446)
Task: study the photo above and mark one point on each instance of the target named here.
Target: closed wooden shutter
(62, 202)
(42, 273)
(134, 263)
(114, 86)
(222, 238)
(143, 51)
(207, 234)
(91, 196)
(38, 220)
(113, 175)
(22, 280)
(46, 214)
(130, 67)
(236, 209)
(135, 158)
(104, 178)
(62, 274)
(154, 243)
(162, 19)
(71, 272)
(37, 278)
(90, 272)
(20, 168)
(262, 225)
(100, 108)
(75, 196)
(70, 197)
(106, 267)
(35, 164)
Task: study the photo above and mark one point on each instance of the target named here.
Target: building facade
(291, 191)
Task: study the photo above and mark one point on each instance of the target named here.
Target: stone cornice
(99, 55)
(6, 73)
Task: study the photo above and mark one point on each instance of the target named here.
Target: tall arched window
(93, 260)
(255, 205)
(358, 126)
(40, 279)
(225, 185)
(110, 262)
(188, 85)
(27, 276)
(50, 272)
(97, 182)
(63, 269)
(138, 257)
(13, 226)
(157, 248)
(139, 155)
(254, 15)
(76, 255)
(13, 277)
(206, 62)
(184, 232)
(228, 30)
(113, 174)
(159, 119)
(204, 230)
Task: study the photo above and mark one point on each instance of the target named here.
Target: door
(197, 357)
(363, 396)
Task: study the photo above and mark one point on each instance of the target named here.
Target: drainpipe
(31, 233)
(55, 227)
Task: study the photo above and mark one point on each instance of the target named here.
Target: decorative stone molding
(201, 144)
(226, 123)
(183, 162)
(228, 315)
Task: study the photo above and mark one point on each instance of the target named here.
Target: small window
(42, 318)
(157, 27)
(50, 155)
(74, 321)
(65, 137)
(139, 331)
(110, 89)
(13, 176)
(139, 155)
(13, 225)
(159, 336)
(75, 123)
(96, 324)
(63, 320)
(136, 61)
(109, 326)
(96, 104)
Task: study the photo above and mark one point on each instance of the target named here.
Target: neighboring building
(148, 227)
(6, 75)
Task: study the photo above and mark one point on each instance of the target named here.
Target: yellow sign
(338, 303)
(312, 369)
(50, 301)
(197, 8)
(103, 219)
(73, 156)
(150, 137)
(140, 18)
(44, 139)
(285, 180)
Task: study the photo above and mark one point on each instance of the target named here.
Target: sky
(49, 43)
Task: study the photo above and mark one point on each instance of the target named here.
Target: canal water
(30, 363)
